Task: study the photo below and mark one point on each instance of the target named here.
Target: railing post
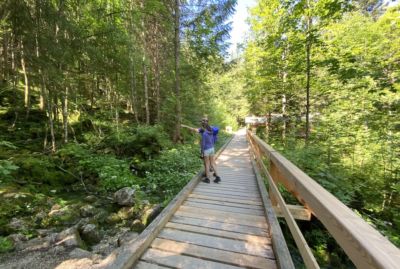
(273, 171)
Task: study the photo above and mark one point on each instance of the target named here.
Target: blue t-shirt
(208, 138)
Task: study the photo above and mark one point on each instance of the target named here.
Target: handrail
(364, 245)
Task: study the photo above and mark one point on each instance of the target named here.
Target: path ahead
(219, 225)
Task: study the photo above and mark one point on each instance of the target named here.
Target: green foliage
(110, 172)
(41, 169)
(6, 244)
(6, 168)
(142, 141)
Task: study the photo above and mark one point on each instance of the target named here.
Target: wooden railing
(365, 246)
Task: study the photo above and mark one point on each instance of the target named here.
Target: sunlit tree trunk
(308, 71)
(27, 102)
(146, 92)
(64, 100)
(177, 135)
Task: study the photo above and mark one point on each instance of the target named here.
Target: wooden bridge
(234, 224)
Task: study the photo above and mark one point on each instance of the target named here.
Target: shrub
(143, 142)
(110, 172)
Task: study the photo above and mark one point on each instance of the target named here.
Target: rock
(88, 211)
(150, 214)
(79, 253)
(84, 263)
(113, 218)
(90, 198)
(70, 238)
(125, 196)
(39, 217)
(15, 238)
(17, 224)
(81, 223)
(91, 234)
(43, 232)
(126, 213)
(34, 244)
(103, 248)
(137, 225)
(126, 238)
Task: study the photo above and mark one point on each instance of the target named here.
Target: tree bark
(27, 102)
(177, 135)
(146, 92)
(308, 71)
(64, 100)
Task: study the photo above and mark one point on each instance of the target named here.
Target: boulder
(39, 217)
(87, 211)
(125, 196)
(151, 213)
(90, 198)
(126, 213)
(90, 234)
(126, 238)
(17, 224)
(137, 225)
(79, 253)
(70, 238)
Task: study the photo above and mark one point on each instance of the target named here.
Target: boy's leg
(214, 166)
(207, 168)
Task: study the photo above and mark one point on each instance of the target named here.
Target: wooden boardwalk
(218, 225)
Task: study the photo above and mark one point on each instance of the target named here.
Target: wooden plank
(364, 245)
(226, 190)
(126, 256)
(237, 228)
(213, 202)
(227, 186)
(217, 194)
(174, 260)
(297, 211)
(146, 265)
(262, 250)
(253, 201)
(212, 254)
(232, 194)
(212, 212)
(218, 217)
(247, 211)
(219, 233)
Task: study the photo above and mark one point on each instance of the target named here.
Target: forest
(93, 95)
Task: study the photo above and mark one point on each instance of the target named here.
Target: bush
(143, 142)
(6, 168)
(110, 172)
(41, 168)
(5, 244)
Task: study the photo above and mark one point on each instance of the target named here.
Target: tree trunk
(308, 55)
(284, 117)
(49, 103)
(27, 102)
(177, 135)
(64, 101)
(146, 92)
(133, 90)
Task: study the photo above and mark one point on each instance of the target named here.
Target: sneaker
(217, 179)
(206, 180)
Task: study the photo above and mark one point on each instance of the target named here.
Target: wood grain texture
(212, 254)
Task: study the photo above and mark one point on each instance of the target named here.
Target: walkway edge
(126, 256)
(281, 251)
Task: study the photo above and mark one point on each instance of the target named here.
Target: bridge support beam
(298, 212)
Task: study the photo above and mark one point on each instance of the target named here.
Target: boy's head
(204, 122)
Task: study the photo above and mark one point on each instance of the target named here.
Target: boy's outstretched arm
(190, 128)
